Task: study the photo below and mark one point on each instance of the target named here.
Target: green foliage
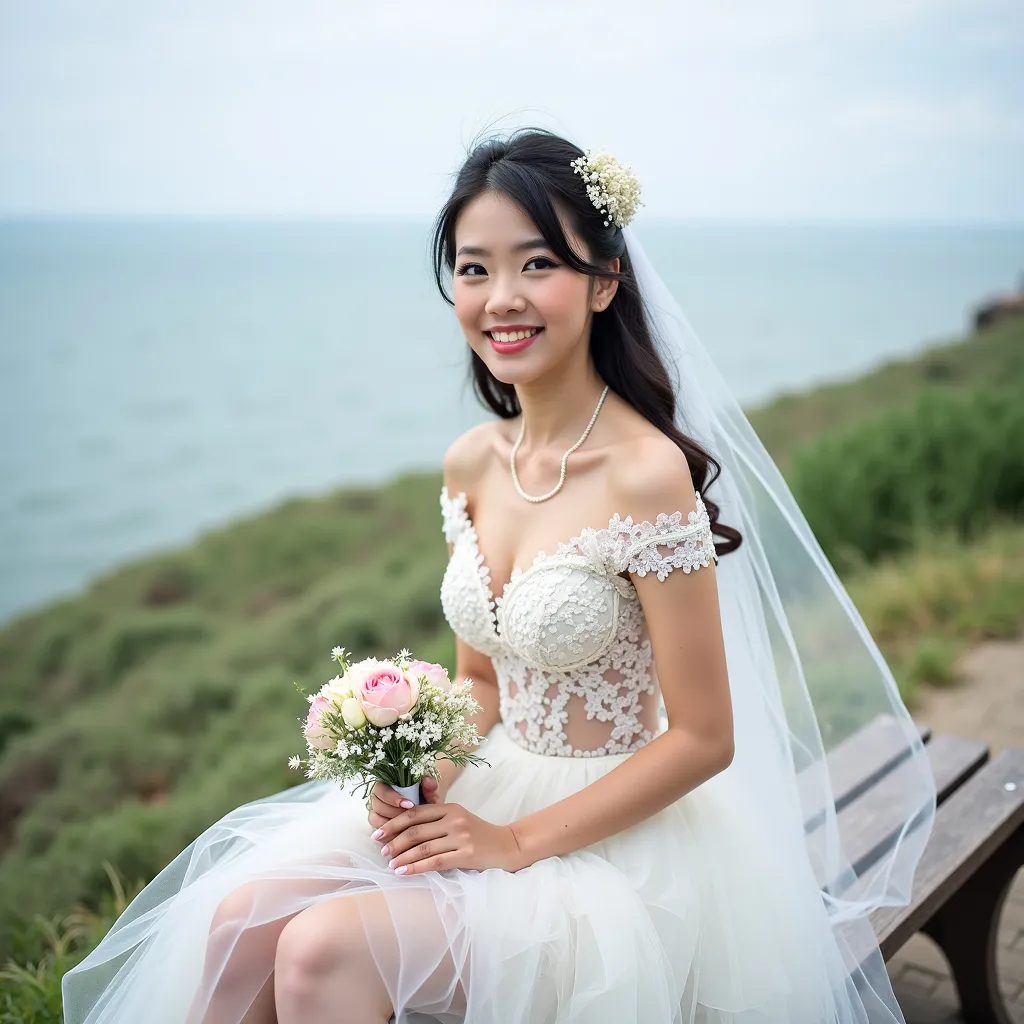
(136, 715)
(950, 462)
(44, 949)
(30, 993)
(994, 357)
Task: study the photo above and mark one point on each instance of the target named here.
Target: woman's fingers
(441, 862)
(411, 827)
(386, 795)
(427, 850)
(383, 810)
(385, 803)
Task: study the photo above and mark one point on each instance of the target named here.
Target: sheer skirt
(695, 914)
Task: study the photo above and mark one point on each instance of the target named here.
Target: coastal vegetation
(135, 714)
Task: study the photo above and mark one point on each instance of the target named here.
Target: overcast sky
(767, 109)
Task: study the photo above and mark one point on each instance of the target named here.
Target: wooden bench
(965, 871)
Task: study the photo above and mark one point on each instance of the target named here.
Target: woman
(638, 846)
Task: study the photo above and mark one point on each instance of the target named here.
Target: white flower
(338, 653)
(612, 187)
(294, 761)
(337, 689)
(353, 713)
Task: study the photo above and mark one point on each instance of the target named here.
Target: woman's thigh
(395, 936)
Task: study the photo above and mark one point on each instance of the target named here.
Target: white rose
(353, 714)
(337, 689)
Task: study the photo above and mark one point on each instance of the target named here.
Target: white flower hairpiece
(612, 187)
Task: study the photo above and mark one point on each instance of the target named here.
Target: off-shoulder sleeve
(454, 519)
(670, 543)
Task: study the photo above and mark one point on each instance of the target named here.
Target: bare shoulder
(650, 475)
(467, 456)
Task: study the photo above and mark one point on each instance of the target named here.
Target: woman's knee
(316, 945)
(313, 944)
(236, 908)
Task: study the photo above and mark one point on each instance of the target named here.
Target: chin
(513, 369)
(524, 367)
(507, 374)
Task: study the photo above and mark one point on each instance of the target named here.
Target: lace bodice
(567, 636)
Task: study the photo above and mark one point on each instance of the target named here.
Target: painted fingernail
(402, 870)
(407, 804)
(377, 834)
(385, 851)
(392, 862)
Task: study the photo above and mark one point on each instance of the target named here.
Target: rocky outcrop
(1000, 308)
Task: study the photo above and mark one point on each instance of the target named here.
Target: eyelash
(462, 271)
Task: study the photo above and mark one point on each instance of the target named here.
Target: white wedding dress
(695, 914)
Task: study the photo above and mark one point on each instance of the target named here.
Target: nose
(504, 298)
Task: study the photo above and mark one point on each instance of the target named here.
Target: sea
(160, 377)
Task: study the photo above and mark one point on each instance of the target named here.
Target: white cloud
(777, 108)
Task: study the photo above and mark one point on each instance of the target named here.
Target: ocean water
(157, 378)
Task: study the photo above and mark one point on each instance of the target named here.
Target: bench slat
(869, 823)
(969, 826)
(856, 764)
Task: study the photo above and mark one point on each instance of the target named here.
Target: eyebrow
(530, 243)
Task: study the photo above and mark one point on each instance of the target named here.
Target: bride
(662, 656)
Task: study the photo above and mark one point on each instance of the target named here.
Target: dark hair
(532, 167)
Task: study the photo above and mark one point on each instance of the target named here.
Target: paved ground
(988, 706)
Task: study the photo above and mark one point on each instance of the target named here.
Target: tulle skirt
(691, 915)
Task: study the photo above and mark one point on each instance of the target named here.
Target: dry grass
(927, 605)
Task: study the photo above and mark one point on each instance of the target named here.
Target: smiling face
(523, 311)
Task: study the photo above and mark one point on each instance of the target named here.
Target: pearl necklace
(565, 458)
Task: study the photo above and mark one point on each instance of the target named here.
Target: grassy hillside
(994, 357)
(133, 716)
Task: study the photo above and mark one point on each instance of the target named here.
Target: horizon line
(422, 219)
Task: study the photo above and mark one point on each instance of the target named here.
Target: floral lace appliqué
(567, 637)
(688, 547)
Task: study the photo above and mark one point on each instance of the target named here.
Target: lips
(506, 335)
(518, 340)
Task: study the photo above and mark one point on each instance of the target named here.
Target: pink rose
(384, 692)
(436, 675)
(317, 736)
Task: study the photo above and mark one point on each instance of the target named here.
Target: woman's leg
(237, 985)
(332, 960)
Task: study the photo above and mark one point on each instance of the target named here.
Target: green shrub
(949, 463)
(44, 949)
(993, 358)
(138, 713)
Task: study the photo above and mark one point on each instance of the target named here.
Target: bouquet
(388, 720)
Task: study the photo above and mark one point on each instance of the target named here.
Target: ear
(605, 289)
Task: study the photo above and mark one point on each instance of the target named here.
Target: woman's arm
(478, 667)
(464, 462)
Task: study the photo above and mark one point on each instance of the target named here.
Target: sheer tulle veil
(805, 672)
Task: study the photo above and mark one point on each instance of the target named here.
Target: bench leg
(966, 927)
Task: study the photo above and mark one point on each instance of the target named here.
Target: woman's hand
(386, 804)
(437, 836)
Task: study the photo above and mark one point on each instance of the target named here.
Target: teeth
(513, 336)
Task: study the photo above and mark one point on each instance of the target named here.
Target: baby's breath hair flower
(612, 187)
